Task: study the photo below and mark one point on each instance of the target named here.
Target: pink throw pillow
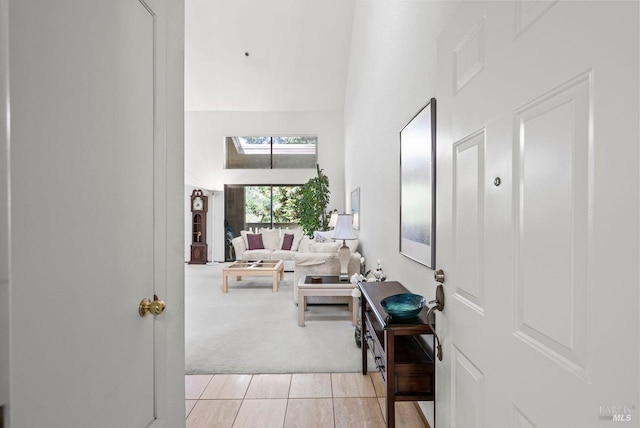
(254, 241)
(287, 241)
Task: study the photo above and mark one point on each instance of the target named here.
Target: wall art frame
(418, 187)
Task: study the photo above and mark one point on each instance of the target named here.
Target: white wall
(391, 76)
(204, 152)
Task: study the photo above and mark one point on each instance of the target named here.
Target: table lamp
(344, 231)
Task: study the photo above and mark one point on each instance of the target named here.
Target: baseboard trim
(422, 416)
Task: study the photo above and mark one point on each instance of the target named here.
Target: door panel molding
(528, 12)
(467, 392)
(469, 56)
(520, 420)
(468, 220)
(552, 198)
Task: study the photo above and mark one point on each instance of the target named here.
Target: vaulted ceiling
(266, 55)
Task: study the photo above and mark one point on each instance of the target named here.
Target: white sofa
(272, 241)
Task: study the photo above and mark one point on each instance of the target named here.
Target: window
(259, 206)
(271, 152)
(269, 206)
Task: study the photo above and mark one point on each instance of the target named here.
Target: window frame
(271, 145)
(236, 186)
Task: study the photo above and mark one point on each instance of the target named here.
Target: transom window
(271, 152)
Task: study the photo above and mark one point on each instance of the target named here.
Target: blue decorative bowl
(405, 305)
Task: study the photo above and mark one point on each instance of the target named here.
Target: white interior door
(92, 132)
(538, 214)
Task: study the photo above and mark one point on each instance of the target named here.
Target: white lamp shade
(343, 229)
(333, 220)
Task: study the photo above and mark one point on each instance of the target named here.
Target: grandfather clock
(198, 228)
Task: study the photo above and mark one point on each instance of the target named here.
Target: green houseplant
(311, 204)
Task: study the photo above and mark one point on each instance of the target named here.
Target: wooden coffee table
(274, 268)
(325, 285)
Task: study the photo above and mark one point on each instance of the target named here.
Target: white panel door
(538, 214)
(89, 88)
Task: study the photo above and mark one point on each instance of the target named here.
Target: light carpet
(251, 330)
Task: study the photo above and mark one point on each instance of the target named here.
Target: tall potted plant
(311, 204)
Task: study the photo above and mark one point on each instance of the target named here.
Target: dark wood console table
(402, 349)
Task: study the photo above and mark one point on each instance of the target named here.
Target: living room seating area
(301, 254)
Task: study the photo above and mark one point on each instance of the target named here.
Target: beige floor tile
(407, 415)
(269, 386)
(261, 414)
(309, 413)
(357, 412)
(310, 385)
(213, 414)
(194, 385)
(352, 385)
(383, 407)
(188, 406)
(378, 384)
(226, 387)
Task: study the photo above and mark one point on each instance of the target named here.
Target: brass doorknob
(156, 307)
